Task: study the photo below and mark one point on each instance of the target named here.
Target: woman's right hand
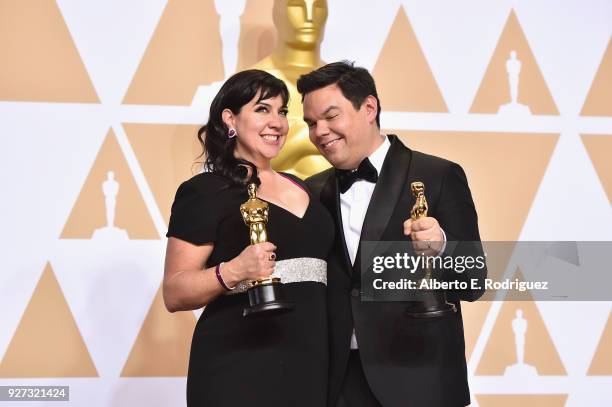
(254, 263)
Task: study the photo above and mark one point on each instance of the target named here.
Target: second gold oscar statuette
(431, 303)
(419, 211)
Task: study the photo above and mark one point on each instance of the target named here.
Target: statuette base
(433, 305)
(266, 298)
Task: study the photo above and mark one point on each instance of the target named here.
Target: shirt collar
(377, 158)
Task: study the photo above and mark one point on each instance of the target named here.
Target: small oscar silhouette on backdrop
(513, 68)
(110, 189)
(520, 369)
(265, 295)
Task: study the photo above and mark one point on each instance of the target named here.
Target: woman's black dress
(269, 360)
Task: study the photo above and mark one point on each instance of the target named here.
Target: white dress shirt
(354, 205)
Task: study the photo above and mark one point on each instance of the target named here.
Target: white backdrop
(89, 87)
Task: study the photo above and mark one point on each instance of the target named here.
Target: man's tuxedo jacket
(407, 362)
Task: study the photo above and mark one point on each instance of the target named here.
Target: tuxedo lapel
(391, 182)
(330, 197)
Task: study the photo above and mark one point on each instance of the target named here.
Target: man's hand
(426, 234)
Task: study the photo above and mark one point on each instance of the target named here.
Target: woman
(270, 360)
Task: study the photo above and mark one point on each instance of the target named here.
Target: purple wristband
(220, 279)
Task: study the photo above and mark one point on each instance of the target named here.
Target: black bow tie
(365, 171)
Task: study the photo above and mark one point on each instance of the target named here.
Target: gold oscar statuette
(265, 295)
(419, 210)
(431, 303)
(300, 25)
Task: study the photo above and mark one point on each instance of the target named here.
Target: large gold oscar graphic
(265, 295)
(431, 303)
(299, 26)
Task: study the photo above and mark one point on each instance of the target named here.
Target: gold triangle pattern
(602, 360)
(406, 84)
(184, 53)
(599, 99)
(40, 62)
(523, 400)
(257, 33)
(162, 345)
(599, 148)
(47, 342)
(167, 154)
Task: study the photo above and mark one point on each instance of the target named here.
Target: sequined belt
(294, 271)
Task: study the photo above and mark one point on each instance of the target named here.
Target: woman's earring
(231, 133)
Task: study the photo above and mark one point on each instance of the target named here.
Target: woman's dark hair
(236, 92)
(355, 83)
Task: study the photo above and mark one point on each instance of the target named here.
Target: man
(378, 355)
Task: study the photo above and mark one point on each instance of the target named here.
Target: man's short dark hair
(355, 83)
